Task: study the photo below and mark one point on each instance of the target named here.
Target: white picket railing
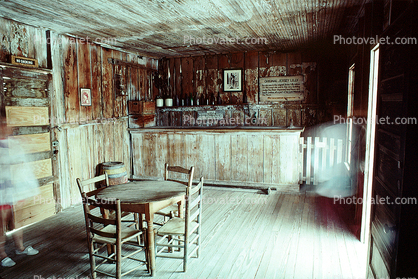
(316, 156)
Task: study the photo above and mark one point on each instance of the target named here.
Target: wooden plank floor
(246, 234)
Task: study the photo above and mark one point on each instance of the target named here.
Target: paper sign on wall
(285, 88)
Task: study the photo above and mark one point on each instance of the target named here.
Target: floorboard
(246, 234)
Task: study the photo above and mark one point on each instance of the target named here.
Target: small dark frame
(85, 97)
(232, 80)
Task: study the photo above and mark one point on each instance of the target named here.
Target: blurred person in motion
(13, 189)
(336, 180)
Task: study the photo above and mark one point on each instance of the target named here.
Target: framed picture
(85, 97)
(232, 80)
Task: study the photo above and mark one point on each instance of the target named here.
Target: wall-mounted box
(141, 121)
(141, 107)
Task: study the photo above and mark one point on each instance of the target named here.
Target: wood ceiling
(168, 28)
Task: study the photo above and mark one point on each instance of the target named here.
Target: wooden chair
(169, 171)
(84, 186)
(185, 231)
(102, 232)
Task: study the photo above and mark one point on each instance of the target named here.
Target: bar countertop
(220, 129)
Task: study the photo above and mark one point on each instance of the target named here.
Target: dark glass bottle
(212, 99)
(219, 100)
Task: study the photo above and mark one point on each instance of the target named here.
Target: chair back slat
(177, 169)
(82, 184)
(101, 220)
(103, 234)
(193, 200)
(93, 220)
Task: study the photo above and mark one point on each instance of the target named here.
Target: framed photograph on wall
(232, 80)
(85, 97)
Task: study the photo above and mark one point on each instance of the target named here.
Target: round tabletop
(143, 191)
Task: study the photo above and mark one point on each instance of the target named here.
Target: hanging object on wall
(24, 61)
(85, 97)
(120, 80)
(284, 88)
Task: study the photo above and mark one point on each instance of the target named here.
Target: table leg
(180, 208)
(151, 245)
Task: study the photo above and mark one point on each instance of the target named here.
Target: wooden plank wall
(232, 158)
(87, 135)
(203, 75)
(93, 134)
(22, 40)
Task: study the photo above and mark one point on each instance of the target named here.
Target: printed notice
(286, 88)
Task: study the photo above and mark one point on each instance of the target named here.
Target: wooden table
(147, 197)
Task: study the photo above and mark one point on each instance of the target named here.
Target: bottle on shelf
(191, 100)
(212, 99)
(197, 100)
(177, 100)
(202, 99)
(187, 100)
(219, 100)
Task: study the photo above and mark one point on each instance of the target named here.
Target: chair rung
(129, 271)
(194, 239)
(194, 250)
(172, 257)
(105, 273)
(170, 245)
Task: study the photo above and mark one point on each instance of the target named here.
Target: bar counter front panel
(257, 157)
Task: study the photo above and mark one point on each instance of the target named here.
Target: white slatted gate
(317, 156)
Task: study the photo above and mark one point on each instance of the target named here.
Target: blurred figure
(336, 180)
(12, 190)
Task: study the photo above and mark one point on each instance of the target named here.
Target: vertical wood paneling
(255, 158)
(187, 76)
(84, 77)
(40, 45)
(119, 140)
(72, 101)
(137, 154)
(4, 39)
(126, 147)
(191, 149)
(86, 160)
(134, 84)
(288, 154)
(109, 142)
(251, 77)
(119, 101)
(206, 164)
(74, 162)
(212, 76)
(268, 155)
(276, 171)
(265, 158)
(223, 156)
(107, 84)
(200, 81)
(96, 81)
(161, 154)
(239, 149)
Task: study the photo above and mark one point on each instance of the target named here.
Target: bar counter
(237, 156)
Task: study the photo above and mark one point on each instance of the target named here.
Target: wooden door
(393, 244)
(27, 101)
